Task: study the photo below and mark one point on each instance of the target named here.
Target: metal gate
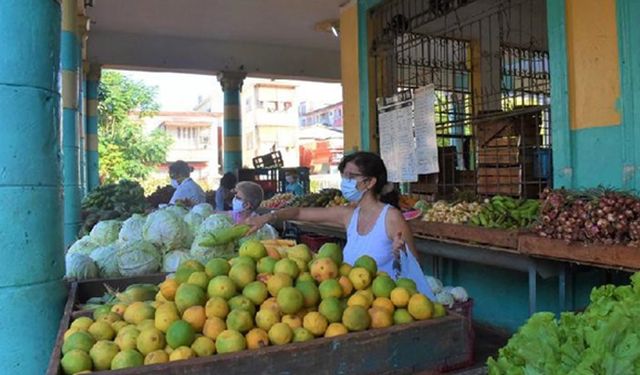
(489, 64)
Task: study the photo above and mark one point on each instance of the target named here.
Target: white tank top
(375, 244)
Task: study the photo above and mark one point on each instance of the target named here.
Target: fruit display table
(427, 345)
(619, 257)
(497, 238)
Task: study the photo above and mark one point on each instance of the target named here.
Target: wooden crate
(612, 256)
(501, 238)
(429, 345)
(505, 181)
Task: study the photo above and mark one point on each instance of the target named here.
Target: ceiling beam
(207, 56)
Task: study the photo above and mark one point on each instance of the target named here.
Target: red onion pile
(597, 216)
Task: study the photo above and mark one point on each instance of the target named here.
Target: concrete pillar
(231, 83)
(93, 170)
(32, 292)
(70, 57)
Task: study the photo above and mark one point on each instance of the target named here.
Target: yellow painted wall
(592, 52)
(350, 75)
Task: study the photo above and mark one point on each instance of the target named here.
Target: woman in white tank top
(374, 227)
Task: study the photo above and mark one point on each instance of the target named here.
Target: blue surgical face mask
(349, 189)
(174, 183)
(237, 205)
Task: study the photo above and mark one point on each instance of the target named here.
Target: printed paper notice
(425, 130)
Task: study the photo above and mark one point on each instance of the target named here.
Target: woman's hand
(256, 222)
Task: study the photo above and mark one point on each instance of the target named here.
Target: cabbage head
(138, 258)
(445, 299)
(267, 232)
(85, 246)
(132, 228)
(193, 221)
(202, 209)
(434, 284)
(80, 266)
(460, 294)
(177, 210)
(106, 232)
(166, 230)
(106, 258)
(173, 259)
(204, 254)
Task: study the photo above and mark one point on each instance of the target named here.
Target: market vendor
(374, 225)
(224, 194)
(187, 190)
(293, 185)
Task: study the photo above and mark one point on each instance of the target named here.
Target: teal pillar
(32, 292)
(561, 130)
(231, 83)
(363, 68)
(93, 82)
(70, 57)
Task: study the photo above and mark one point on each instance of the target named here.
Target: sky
(180, 92)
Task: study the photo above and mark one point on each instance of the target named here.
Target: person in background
(248, 196)
(293, 186)
(224, 194)
(374, 225)
(187, 190)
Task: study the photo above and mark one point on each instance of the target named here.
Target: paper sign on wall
(425, 130)
(407, 129)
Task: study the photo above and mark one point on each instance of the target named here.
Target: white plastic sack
(410, 269)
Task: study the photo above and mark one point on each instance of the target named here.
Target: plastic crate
(271, 160)
(315, 241)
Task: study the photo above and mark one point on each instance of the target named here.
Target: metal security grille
(489, 64)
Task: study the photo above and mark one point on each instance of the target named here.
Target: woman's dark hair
(228, 181)
(180, 168)
(371, 165)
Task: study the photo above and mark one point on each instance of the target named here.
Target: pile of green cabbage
(605, 339)
(148, 244)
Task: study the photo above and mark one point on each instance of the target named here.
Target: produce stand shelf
(499, 238)
(619, 257)
(404, 349)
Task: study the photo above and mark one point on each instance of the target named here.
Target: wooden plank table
(617, 257)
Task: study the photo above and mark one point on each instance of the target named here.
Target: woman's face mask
(349, 189)
(237, 205)
(174, 183)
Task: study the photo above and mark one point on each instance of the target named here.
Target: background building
(269, 121)
(328, 115)
(196, 140)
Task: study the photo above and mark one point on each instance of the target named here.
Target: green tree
(126, 151)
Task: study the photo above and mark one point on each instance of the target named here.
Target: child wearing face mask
(374, 225)
(293, 186)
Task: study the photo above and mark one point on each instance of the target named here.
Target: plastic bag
(410, 269)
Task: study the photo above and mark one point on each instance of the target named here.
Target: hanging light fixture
(329, 26)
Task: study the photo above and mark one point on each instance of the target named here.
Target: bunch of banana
(507, 213)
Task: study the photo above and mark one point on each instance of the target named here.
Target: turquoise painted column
(558, 66)
(32, 292)
(93, 81)
(231, 83)
(70, 57)
(363, 69)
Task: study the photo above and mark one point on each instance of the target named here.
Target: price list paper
(397, 143)
(425, 130)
